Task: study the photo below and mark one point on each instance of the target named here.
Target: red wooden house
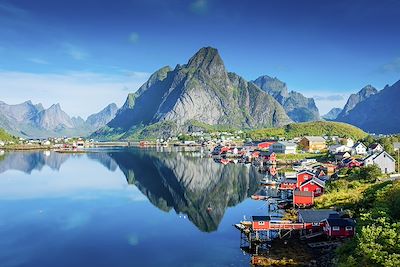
(269, 157)
(303, 198)
(303, 176)
(314, 185)
(261, 223)
(334, 226)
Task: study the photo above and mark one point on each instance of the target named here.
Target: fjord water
(123, 207)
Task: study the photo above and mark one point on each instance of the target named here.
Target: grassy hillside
(318, 128)
(4, 136)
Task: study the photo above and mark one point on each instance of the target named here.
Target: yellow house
(313, 143)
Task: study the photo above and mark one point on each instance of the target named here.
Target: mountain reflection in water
(188, 182)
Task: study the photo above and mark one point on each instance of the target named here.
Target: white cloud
(79, 93)
(327, 99)
(75, 52)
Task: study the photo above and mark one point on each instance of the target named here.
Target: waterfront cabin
(313, 143)
(260, 223)
(314, 185)
(303, 199)
(303, 176)
(315, 217)
(337, 227)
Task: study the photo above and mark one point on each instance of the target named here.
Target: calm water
(126, 207)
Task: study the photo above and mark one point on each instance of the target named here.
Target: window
(261, 223)
(335, 228)
(305, 189)
(349, 228)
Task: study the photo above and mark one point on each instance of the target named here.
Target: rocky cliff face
(297, 106)
(103, 117)
(332, 114)
(354, 99)
(202, 91)
(378, 112)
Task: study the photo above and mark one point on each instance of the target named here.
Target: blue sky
(69, 51)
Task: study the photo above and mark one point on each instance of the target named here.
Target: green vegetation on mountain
(317, 128)
(201, 90)
(4, 136)
(375, 204)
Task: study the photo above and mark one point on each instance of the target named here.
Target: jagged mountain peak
(297, 106)
(354, 99)
(208, 60)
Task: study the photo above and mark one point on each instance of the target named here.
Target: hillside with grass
(4, 136)
(317, 128)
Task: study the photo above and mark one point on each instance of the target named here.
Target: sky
(87, 54)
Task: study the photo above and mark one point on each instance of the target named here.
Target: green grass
(317, 128)
(4, 136)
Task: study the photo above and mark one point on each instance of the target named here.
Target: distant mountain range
(332, 114)
(298, 107)
(202, 93)
(374, 111)
(34, 121)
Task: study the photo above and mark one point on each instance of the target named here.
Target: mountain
(378, 113)
(103, 117)
(201, 91)
(34, 121)
(354, 99)
(332, 114)
(297, 106)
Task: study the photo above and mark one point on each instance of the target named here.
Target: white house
(334, 149)
(283, 148)
(375, 148)
(383, 160)
(360, 149)
(347, 142)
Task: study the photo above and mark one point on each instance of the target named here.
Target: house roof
(314, 180)
(285, 143)
(374, 146)
(387, 154)
(374, 156)
(315, 216)
(359, 143)
(315, 138)
(308, 171)
(340, 222)
(261, 218)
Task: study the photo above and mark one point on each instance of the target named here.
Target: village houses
(383, 160)
(283, 148)
(313, 143)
